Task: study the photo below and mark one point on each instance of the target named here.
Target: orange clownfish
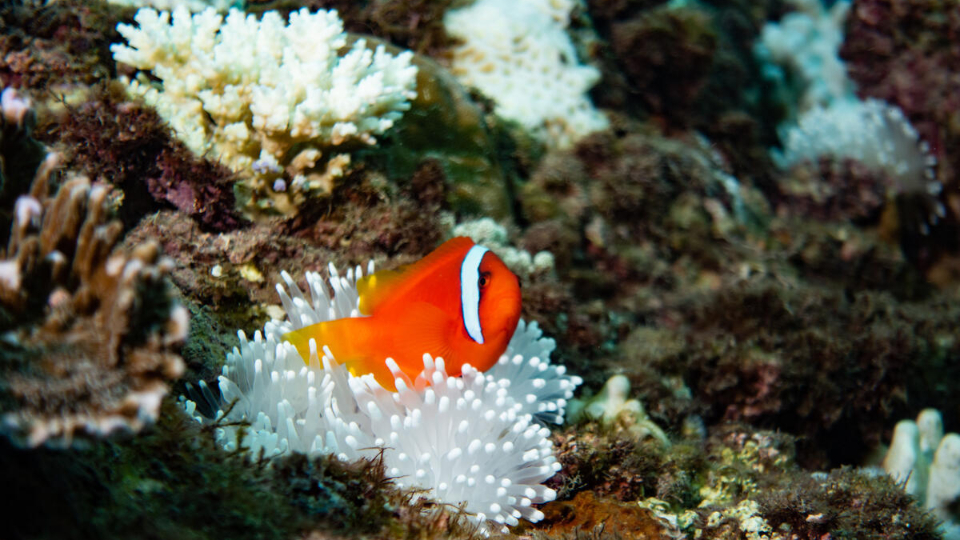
(460, 302)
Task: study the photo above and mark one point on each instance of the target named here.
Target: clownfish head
(489, 298)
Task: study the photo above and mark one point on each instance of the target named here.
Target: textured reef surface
(735, 224)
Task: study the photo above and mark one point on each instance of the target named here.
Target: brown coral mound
(91, 329)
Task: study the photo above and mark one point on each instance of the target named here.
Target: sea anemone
(475, 440)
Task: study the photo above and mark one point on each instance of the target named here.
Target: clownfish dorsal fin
(382, 287)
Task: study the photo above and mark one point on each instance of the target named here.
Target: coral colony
(475, 439)
(520, 54)
(270, 99)
(98, 322)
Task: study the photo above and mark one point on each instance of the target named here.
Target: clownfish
(460, 302)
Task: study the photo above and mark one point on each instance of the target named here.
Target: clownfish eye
(484, 280)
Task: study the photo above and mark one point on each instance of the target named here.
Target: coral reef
(446, 129)
(91, 331)
(760, 353)
(801, 53)
(493, 235)
(926, 463)
(816, 505)
(879, 138)
(416, 25)
(901, 51)
(20, 154)
(192, 5)
(123, 488)
(611, 405)
(146, 163)
(774, 318)
(666, 54)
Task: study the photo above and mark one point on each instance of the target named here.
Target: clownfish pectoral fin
(380, 288)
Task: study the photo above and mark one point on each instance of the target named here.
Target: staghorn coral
(91, 329)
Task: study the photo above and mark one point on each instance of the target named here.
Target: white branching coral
(265, 97)
(473, 439)
(926, 463)
(518, 53)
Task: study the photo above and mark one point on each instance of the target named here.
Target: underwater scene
(428, 269)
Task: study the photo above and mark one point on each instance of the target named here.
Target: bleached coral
(611, 406)
(872, 132)
(267, 98)
(493, 235)
(805, 43)
(927, 463)
(518, 53)
(471, 439)
(830, 120)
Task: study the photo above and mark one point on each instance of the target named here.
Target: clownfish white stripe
(470, 292)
